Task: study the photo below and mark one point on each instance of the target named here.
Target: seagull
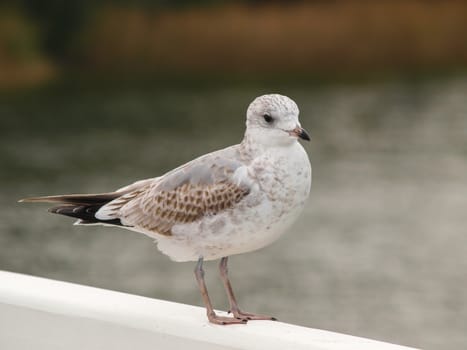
(231, 201)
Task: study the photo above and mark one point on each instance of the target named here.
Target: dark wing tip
(59, 210)
(78, 199)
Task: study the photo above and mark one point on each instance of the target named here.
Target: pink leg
(213, 318)
(233, 302)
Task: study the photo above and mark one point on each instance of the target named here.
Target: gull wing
(204, 186)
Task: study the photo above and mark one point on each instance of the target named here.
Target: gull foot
(221, 320)
(248, 316)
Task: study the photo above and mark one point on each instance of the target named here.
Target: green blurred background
(97, 94)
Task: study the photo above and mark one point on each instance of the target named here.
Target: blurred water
(379, 252)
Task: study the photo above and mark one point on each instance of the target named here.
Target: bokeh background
(97, 94)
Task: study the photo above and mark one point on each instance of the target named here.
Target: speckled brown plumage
(159, 212)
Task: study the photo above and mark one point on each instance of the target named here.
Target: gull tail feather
(80, 206)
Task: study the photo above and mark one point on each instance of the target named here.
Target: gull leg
(213, 318)
(232, 300)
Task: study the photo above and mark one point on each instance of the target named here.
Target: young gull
(231, 201)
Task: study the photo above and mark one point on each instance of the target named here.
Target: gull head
(273, 120)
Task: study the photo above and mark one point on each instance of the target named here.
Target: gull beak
(301, 133)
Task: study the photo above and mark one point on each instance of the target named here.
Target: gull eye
(268, 118)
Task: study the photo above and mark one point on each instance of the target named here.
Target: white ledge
(38, 313)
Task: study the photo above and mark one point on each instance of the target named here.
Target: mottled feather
(202, 187)
(159, 211)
